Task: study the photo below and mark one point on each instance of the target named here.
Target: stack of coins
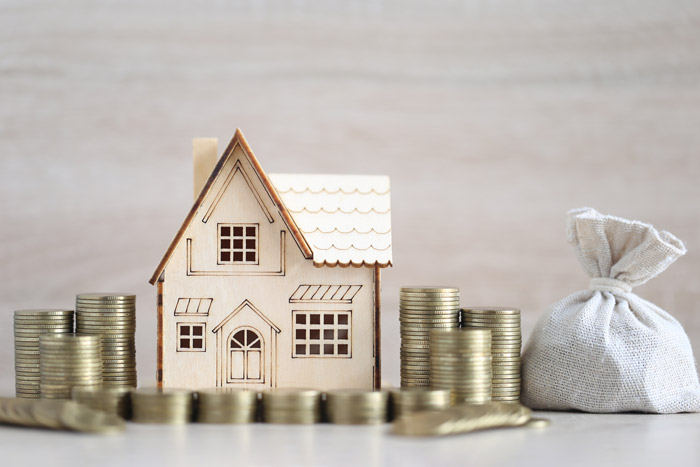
(357, 407)
(291, 406)
(112, 316)
(68, 361)
(166, 406)
(113, 400)
(460, 359)
(420, 310)
(504, 324)
(225, 405)
(410, 400)
(29, 325)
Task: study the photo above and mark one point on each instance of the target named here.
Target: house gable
(237, 172)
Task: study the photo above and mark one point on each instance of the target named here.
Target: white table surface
(571, 440)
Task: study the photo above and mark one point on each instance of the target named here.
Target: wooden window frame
(191, 337)
(231, 250)
(308, 334)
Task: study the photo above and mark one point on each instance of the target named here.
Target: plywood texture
(491, 118)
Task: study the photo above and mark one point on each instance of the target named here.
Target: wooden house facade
(274, 280)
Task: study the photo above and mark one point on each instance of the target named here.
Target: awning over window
(325, 293)
(193, 306)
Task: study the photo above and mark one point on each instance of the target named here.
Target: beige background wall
(493, 118)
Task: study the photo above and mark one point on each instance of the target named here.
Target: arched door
(245, 356)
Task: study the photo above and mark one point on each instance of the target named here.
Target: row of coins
(112, 316)
(28, 326)
(286, 406)
(422, 309)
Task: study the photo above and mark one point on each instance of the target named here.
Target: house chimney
(204, 155)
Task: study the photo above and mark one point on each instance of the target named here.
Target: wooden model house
(273, 280)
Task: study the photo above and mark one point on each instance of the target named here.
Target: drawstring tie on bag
(608, 284)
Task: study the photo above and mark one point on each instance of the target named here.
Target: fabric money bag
(605, 349)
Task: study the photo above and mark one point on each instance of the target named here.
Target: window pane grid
(321, 334)
(238, 243)
(190, 337)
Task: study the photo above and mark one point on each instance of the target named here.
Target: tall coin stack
(420, 310)
(224, 405)
(291, 406)
(357, 407)
(410, 400)
(68, 361)
(460, 359)
(166, 406)
(504, 324)
(29, 325)
(112, 316)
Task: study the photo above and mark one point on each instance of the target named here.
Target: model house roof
(336, 220)
(345, 219)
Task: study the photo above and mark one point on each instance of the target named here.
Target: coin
(116, 401)
(357, 407)
(29, 325)
(429, 289)
(295, 406)
(68, 360)
(225, 405)
(78, 417)
(164, 406)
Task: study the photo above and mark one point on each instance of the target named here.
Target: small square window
(301, 349)
(342, 349)
(238, 243)
(328, 334)
(301, 318)
(314, 349)
(328, 349)
(190, 337)
(315, 334)
(328, 319)
(343, 334)
(342, 319)
(315, 318)
(301, 333)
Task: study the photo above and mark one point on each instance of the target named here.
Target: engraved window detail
(245, 356)
(238, 243)
(322, 334)
(324, 293)
(191, 337)
(193, 306)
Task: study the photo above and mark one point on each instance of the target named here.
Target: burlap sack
(605, 349)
